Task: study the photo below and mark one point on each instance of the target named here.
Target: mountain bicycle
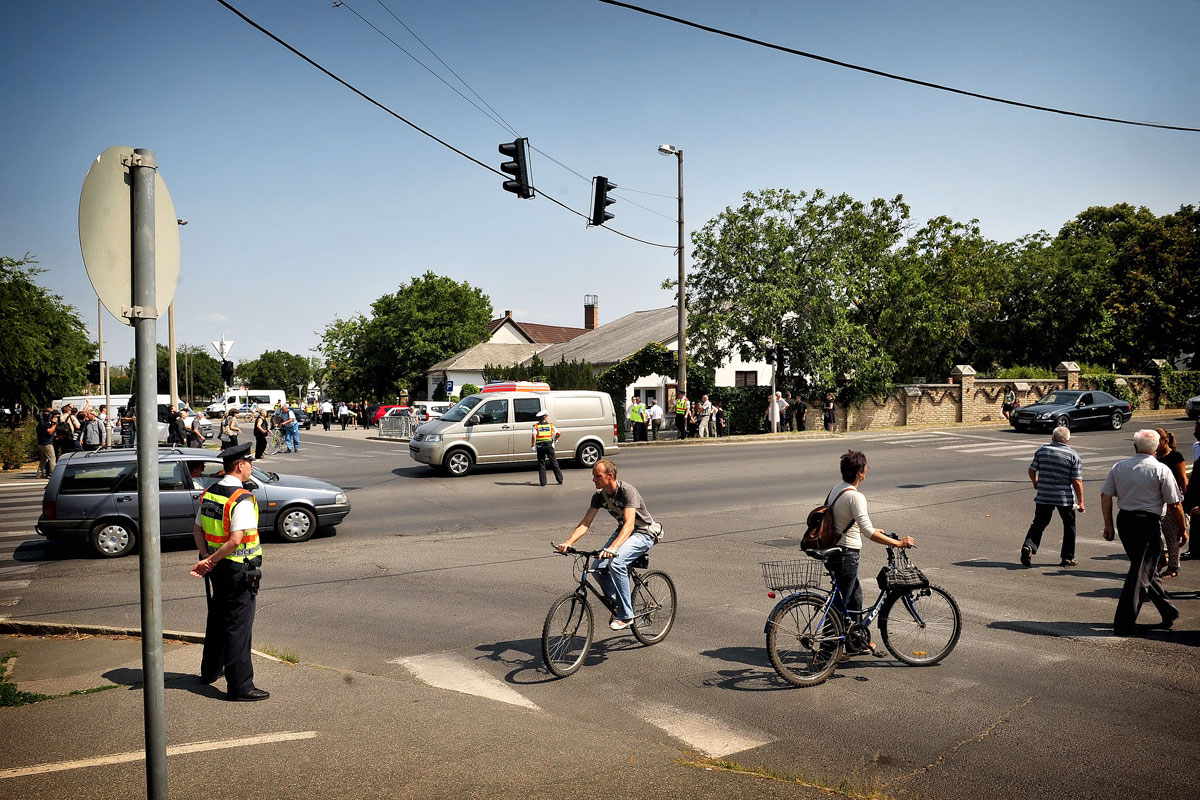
(568, 630)
(807, 631)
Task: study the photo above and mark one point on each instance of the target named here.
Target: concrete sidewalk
(323, 732)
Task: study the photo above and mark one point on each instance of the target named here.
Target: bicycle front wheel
(804, 640)
(274, 444)
(920, 627)
(653, 607)
(567, 634)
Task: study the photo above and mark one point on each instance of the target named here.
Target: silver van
(495, 428)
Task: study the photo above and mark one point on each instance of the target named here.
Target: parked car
(93, 496)
(1073, 409)
(379, 411)
(302, 417)
(426, 410)
(1193, 407)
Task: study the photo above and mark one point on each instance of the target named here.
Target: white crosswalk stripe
(974, 444)
(453, 672)
(20, 506)
(712, 737)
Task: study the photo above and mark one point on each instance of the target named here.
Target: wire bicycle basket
(794, 574)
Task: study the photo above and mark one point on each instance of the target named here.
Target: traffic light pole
(682, 333)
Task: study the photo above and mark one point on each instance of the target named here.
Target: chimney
(589, 311)
(508, 314)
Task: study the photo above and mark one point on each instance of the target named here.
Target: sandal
(1169, 572)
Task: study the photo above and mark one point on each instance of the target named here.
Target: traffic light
(94, 372)
(227, 372)
(601, 201)
(770, 355)
(518, 167)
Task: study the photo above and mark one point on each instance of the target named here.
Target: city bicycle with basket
(807, 631)
(569, 627)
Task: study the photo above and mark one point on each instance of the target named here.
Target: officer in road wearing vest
(226, 533)
(637, 415)
(681, 409)
(544, 437)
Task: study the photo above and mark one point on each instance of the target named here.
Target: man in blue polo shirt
(1057, 475)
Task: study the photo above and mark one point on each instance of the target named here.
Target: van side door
(490, 431)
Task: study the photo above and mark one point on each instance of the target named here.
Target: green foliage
(468, 389)
(563, 375)
(1107, 382)
(122, 384)
(439, 391)
(44, 345)
(651, 359)
(10, 695)
(276, 369)
(800, 270)
(423, 322)
(18, 446)
(744, 407)
(1179, 387)
(1024, 373)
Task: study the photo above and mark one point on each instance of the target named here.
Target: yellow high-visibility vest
(216, 513)
(543, 433)
(637, 412)
(681, 404)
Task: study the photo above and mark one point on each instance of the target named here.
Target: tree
(276, 369)
(423, 322)
(44, 345)
(785, 270)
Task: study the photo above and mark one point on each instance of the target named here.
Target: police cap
(539, 415)
(232, 455)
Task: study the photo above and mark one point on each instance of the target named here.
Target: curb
(63, 628)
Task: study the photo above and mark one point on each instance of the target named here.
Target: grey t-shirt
(626, 496)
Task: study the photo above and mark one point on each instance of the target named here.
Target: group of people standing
(1155, 499)
(69, 429)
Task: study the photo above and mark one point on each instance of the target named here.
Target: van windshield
(460, 411)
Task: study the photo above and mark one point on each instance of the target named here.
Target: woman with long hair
(1174, 460)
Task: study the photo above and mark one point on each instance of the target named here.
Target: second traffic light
(522, 183)
(227, 372)
(94, 372)
(601, 201)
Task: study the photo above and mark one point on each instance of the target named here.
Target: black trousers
(1041, 518)
(230, 622)
(545, 453)
(681, 425)
(639, 431)
(1141, 537)
(260, 445)
(326, 418)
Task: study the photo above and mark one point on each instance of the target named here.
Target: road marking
(707, 735)
(990, 447)
(449, 671)
(14, 584)
(10, 487)
(322, 444)
(140, 755)
(16, 570)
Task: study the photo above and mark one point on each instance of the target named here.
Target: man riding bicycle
(634, 537)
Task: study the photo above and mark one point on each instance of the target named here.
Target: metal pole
(108, 414)
(172, 367)
(145, 317)
(682, 333)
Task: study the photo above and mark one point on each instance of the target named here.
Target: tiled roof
(617, 340)
(479, 356)
(539, 334)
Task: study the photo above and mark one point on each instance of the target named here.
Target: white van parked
(495, 427)
(245, 400)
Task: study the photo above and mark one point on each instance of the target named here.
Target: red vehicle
(381, 410)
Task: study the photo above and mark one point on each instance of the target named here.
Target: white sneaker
(620, 624)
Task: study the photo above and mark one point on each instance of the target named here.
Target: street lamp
(672, 150)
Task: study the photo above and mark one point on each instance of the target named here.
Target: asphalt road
(445, 582)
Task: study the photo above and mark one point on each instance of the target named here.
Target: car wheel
(1117, 421)
(1063, 422)
(296, 524)
(111, 539)
(459, 462)
(588, 454)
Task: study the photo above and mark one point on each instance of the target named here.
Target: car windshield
(1059, 399)
(460, 411)
(264, 476)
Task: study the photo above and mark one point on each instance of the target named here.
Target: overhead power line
(410, 123)
(890, 75)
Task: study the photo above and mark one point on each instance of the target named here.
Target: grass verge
(283, 655)
(10, 695)
(853, 786)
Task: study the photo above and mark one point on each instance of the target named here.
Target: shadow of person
(754, 656)
(125, 676)
(1012, 566)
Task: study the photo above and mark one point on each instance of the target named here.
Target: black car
(1073, 409)
(302, 417)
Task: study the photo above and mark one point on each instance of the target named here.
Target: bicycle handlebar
(571, 551)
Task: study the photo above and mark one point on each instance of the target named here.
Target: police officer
(681, 410)
(543, 439)
(637, 415)
(226, 533)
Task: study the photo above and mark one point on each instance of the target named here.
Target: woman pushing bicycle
(850, 518)
(636, 533)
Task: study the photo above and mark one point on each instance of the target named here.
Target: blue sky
(305, 202)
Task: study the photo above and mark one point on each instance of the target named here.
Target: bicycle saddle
(823, 555)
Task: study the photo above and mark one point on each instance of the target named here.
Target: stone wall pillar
(964, 376)
(1068, 373)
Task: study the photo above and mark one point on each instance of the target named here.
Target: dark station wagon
(94, 496)
(1073, 409)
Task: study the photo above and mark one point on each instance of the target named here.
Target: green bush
(18, 446)
(1177, 387)
(745, 407)
(468, 389)
(1024, 373)
(1107, 382)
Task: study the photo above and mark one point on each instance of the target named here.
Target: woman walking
(262, 429)
(1172, 535)
(230, 429)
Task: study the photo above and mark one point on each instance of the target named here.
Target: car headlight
(431, 437)
(1044, 415)
(339, 499)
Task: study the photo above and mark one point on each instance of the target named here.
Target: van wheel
(588, 454)
(295, 524)
(458, 463)
(112, 539)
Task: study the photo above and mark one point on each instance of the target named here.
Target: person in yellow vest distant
(543, 439)
(681, 410)
(226, 534)
(637, 415)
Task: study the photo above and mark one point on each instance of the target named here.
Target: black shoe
(1168, 621)
(250, 696)
(1187, 556)
(207, 681)
(1069, 562)
(1026, 557)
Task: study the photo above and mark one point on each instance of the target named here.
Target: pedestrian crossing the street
(20, 506)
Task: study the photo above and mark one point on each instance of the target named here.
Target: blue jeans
(291, 435)
(845, 566)
(613, 574)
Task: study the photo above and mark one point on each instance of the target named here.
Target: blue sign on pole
(449, 387)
